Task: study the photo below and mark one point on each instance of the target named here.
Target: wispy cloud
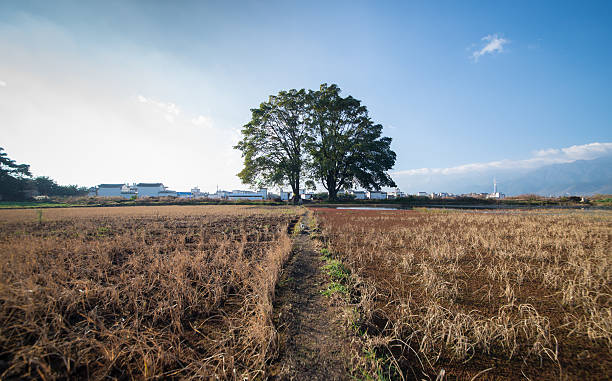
(539, 158)
(169, 110)
(203, 121)
(2, 83)
(491, 44)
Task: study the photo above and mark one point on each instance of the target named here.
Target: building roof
(149, 185)
(110, 185)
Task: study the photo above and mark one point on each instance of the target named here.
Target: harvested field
(505, 296)
(140, 292)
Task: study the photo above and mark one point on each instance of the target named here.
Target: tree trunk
(296, 192)
(332, 193)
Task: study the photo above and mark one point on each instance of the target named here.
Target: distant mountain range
(581, 177)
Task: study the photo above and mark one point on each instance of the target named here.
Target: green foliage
(46, 186)
(335, 288)
(12, 178)
(300, 138)
(346, 146)
(273, 142)
(15, 182)
(339, 275)
(9, 167)
(325, 254)
(336, 270)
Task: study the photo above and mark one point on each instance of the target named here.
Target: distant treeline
(17, 183)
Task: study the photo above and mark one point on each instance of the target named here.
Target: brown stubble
(182, 292)
(507, 294)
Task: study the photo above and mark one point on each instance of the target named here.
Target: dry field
(469, 294)
(139, 292)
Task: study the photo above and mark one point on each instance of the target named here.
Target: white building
(167, 193)
(376, 195)
(285, 196)
(129, 192)
(149, 189)
(220, 194)
(196, 193)
(261, 194)
(153, 190)
(396, 194)
(359, 195)
(495, 194)
(110, 190)
(305, 195)
(423, 194)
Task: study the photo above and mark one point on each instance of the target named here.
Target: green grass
(31, 204)
(339, 275)
(603, 201)
(335, 288)
(336, 270)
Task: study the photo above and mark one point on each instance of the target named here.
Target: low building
(306, 195)
(359, 195)
(261, 194)
(285, 196)
(129, 192)
(396, 194)
(376, 195)
(196, 193)
(149, 189)
(167, 193)
(110, 190)
(220, 194)
(185, 195)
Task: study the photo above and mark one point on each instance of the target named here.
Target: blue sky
(95, 92)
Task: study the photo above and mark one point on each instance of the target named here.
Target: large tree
(346, 145)
(12, 177)
(273, 142)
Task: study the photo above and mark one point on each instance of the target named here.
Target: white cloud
(203, 121)
(491, 44)
(540, 158)
(2, 83)
(168, 110)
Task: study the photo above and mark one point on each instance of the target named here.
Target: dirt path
(313, 341)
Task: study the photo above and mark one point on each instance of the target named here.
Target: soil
(314, 343)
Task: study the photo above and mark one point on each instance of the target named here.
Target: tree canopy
(12, 175)
(16, 182)
(9, 167)
(346, 146)
(300, 137)
(273, 141)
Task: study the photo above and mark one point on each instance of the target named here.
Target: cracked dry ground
(314, 344)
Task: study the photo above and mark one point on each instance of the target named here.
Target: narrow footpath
(314, 344)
